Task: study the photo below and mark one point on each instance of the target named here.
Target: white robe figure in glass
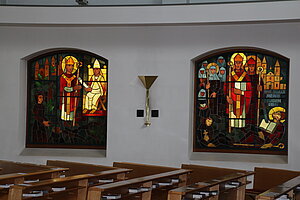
(94, 90)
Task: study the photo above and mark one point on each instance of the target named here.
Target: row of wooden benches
(61, 180)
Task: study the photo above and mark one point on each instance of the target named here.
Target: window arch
(67, 100)
(241, 101)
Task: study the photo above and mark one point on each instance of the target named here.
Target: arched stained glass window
(241, 101)
(67, 100)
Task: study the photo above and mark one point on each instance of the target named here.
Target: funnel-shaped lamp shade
(147, 80)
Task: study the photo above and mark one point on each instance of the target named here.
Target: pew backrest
(9, 167)
(76, 168)
(203, 173)
(140, 170)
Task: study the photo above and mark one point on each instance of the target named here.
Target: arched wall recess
(241, 101)
(67, 100)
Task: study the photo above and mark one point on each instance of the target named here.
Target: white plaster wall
(141, 15)
(165, 51)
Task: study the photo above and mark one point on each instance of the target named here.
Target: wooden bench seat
(155, 182)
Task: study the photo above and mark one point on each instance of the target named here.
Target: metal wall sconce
(147, 82)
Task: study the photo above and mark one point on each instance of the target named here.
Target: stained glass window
(67, 100)
(241, 101)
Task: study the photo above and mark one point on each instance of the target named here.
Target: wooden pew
(288, 188)
(75, 186)
(75, 168)
(142, 188)
(18, 173)
(75, 189)
(267, 178)
(205, 174)
(141, 170)
(221, 188)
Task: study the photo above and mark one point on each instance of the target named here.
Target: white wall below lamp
(147, 82)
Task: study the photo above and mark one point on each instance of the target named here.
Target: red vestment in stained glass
(67, 98)
(239, 80)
